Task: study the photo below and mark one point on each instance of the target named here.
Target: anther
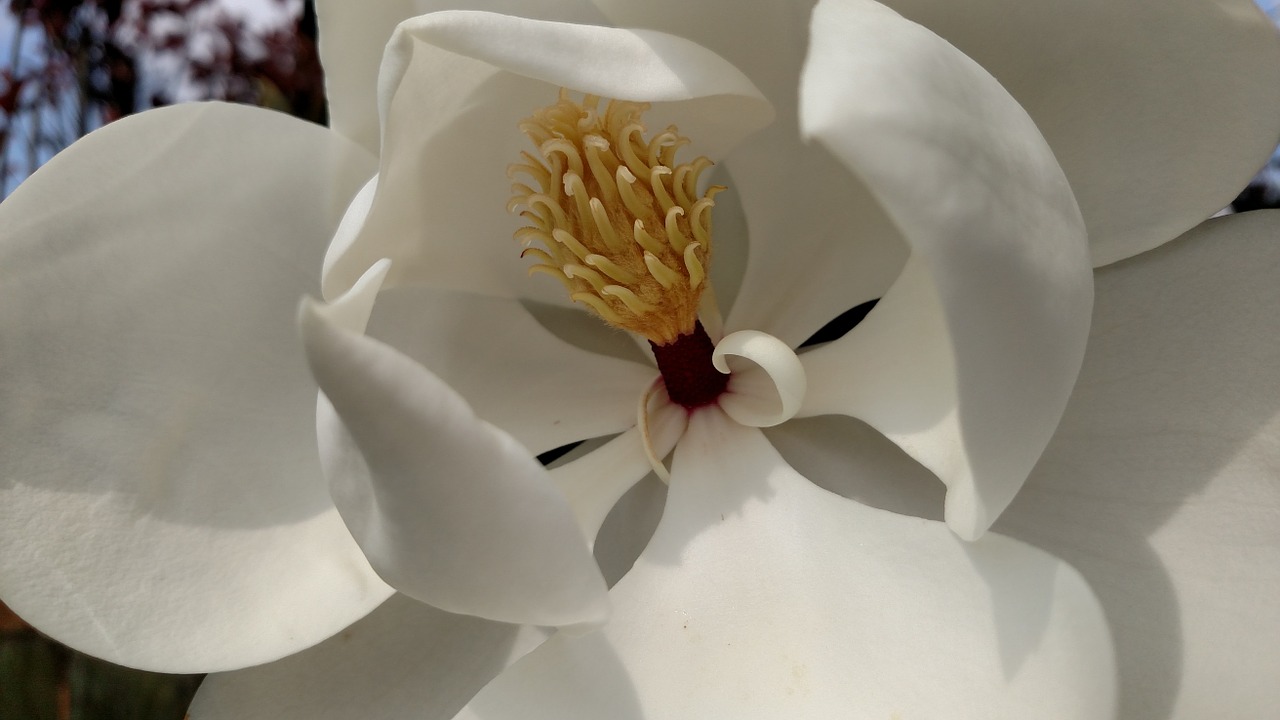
(565, 148)
(694, 266)
(595, 279)
(575, 246)
(605, 226)
(617, 219)
(665, 276)
(644, 239)
(675, 236)
(629, 298)
(627, 192)
(659, 189)
(610, 268)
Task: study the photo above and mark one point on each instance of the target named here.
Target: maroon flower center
(691, 380)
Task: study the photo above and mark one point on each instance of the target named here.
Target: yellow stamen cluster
(620, 224)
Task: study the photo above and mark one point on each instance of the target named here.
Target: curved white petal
(767, 392)
(158, 474)
(595, 482)
(764, 596)
(1160, 484)
(454, 512)
(968, 360)
(405, 660)
(1158, 112)
(353, 37)
(453, 88)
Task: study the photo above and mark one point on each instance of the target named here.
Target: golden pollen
(620, 224)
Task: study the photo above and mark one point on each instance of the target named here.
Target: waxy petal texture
(405, 660)
(511, 370)
(968, 360)
(1160, 485)
(449, 509)
(1158, 112)
(353, 38)
(161, 504)
(453, 89)
(764, 596)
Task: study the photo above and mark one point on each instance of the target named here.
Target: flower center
(624, 228)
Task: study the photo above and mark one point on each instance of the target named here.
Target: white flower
(161, 503)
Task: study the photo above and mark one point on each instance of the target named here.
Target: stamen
(628, 298)
(526, 235)
(596, 280)
(659, 189)
(557, 213)
(656, 146)
(565, 148)
(680, 185)
(603, 174)
(596, 177)
(665, 276)
(610, 268)
(577, 248)
(646, 240)
(595, 303)
(702, 233)
(539, 254)
(694, 266)
(633, 161)
(674, 236)
(628, 193)
(642, 421)
(576, 189)
(605, 226)
(553, 272)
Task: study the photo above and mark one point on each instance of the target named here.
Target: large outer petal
(452, 90)
(764, 596)
(1161, 483)
(161, 503)
(405, 660)
(968, 360)
(1159, 112)
(449, 509)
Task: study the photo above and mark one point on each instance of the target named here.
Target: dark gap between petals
(551, 456)
(841, 325)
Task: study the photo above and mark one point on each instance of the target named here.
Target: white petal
(512, 371)
(1160, 485)
(1158, 112)
(405, 660)
(968, 360)
(818, 243)
(158, 475)
(354, 35)
(770, 389)
(764, 596)
(454, 512)
(453, 88)
(595, 482)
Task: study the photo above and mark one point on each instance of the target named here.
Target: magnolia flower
(163, 505)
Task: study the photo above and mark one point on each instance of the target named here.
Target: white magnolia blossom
(173, 496)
